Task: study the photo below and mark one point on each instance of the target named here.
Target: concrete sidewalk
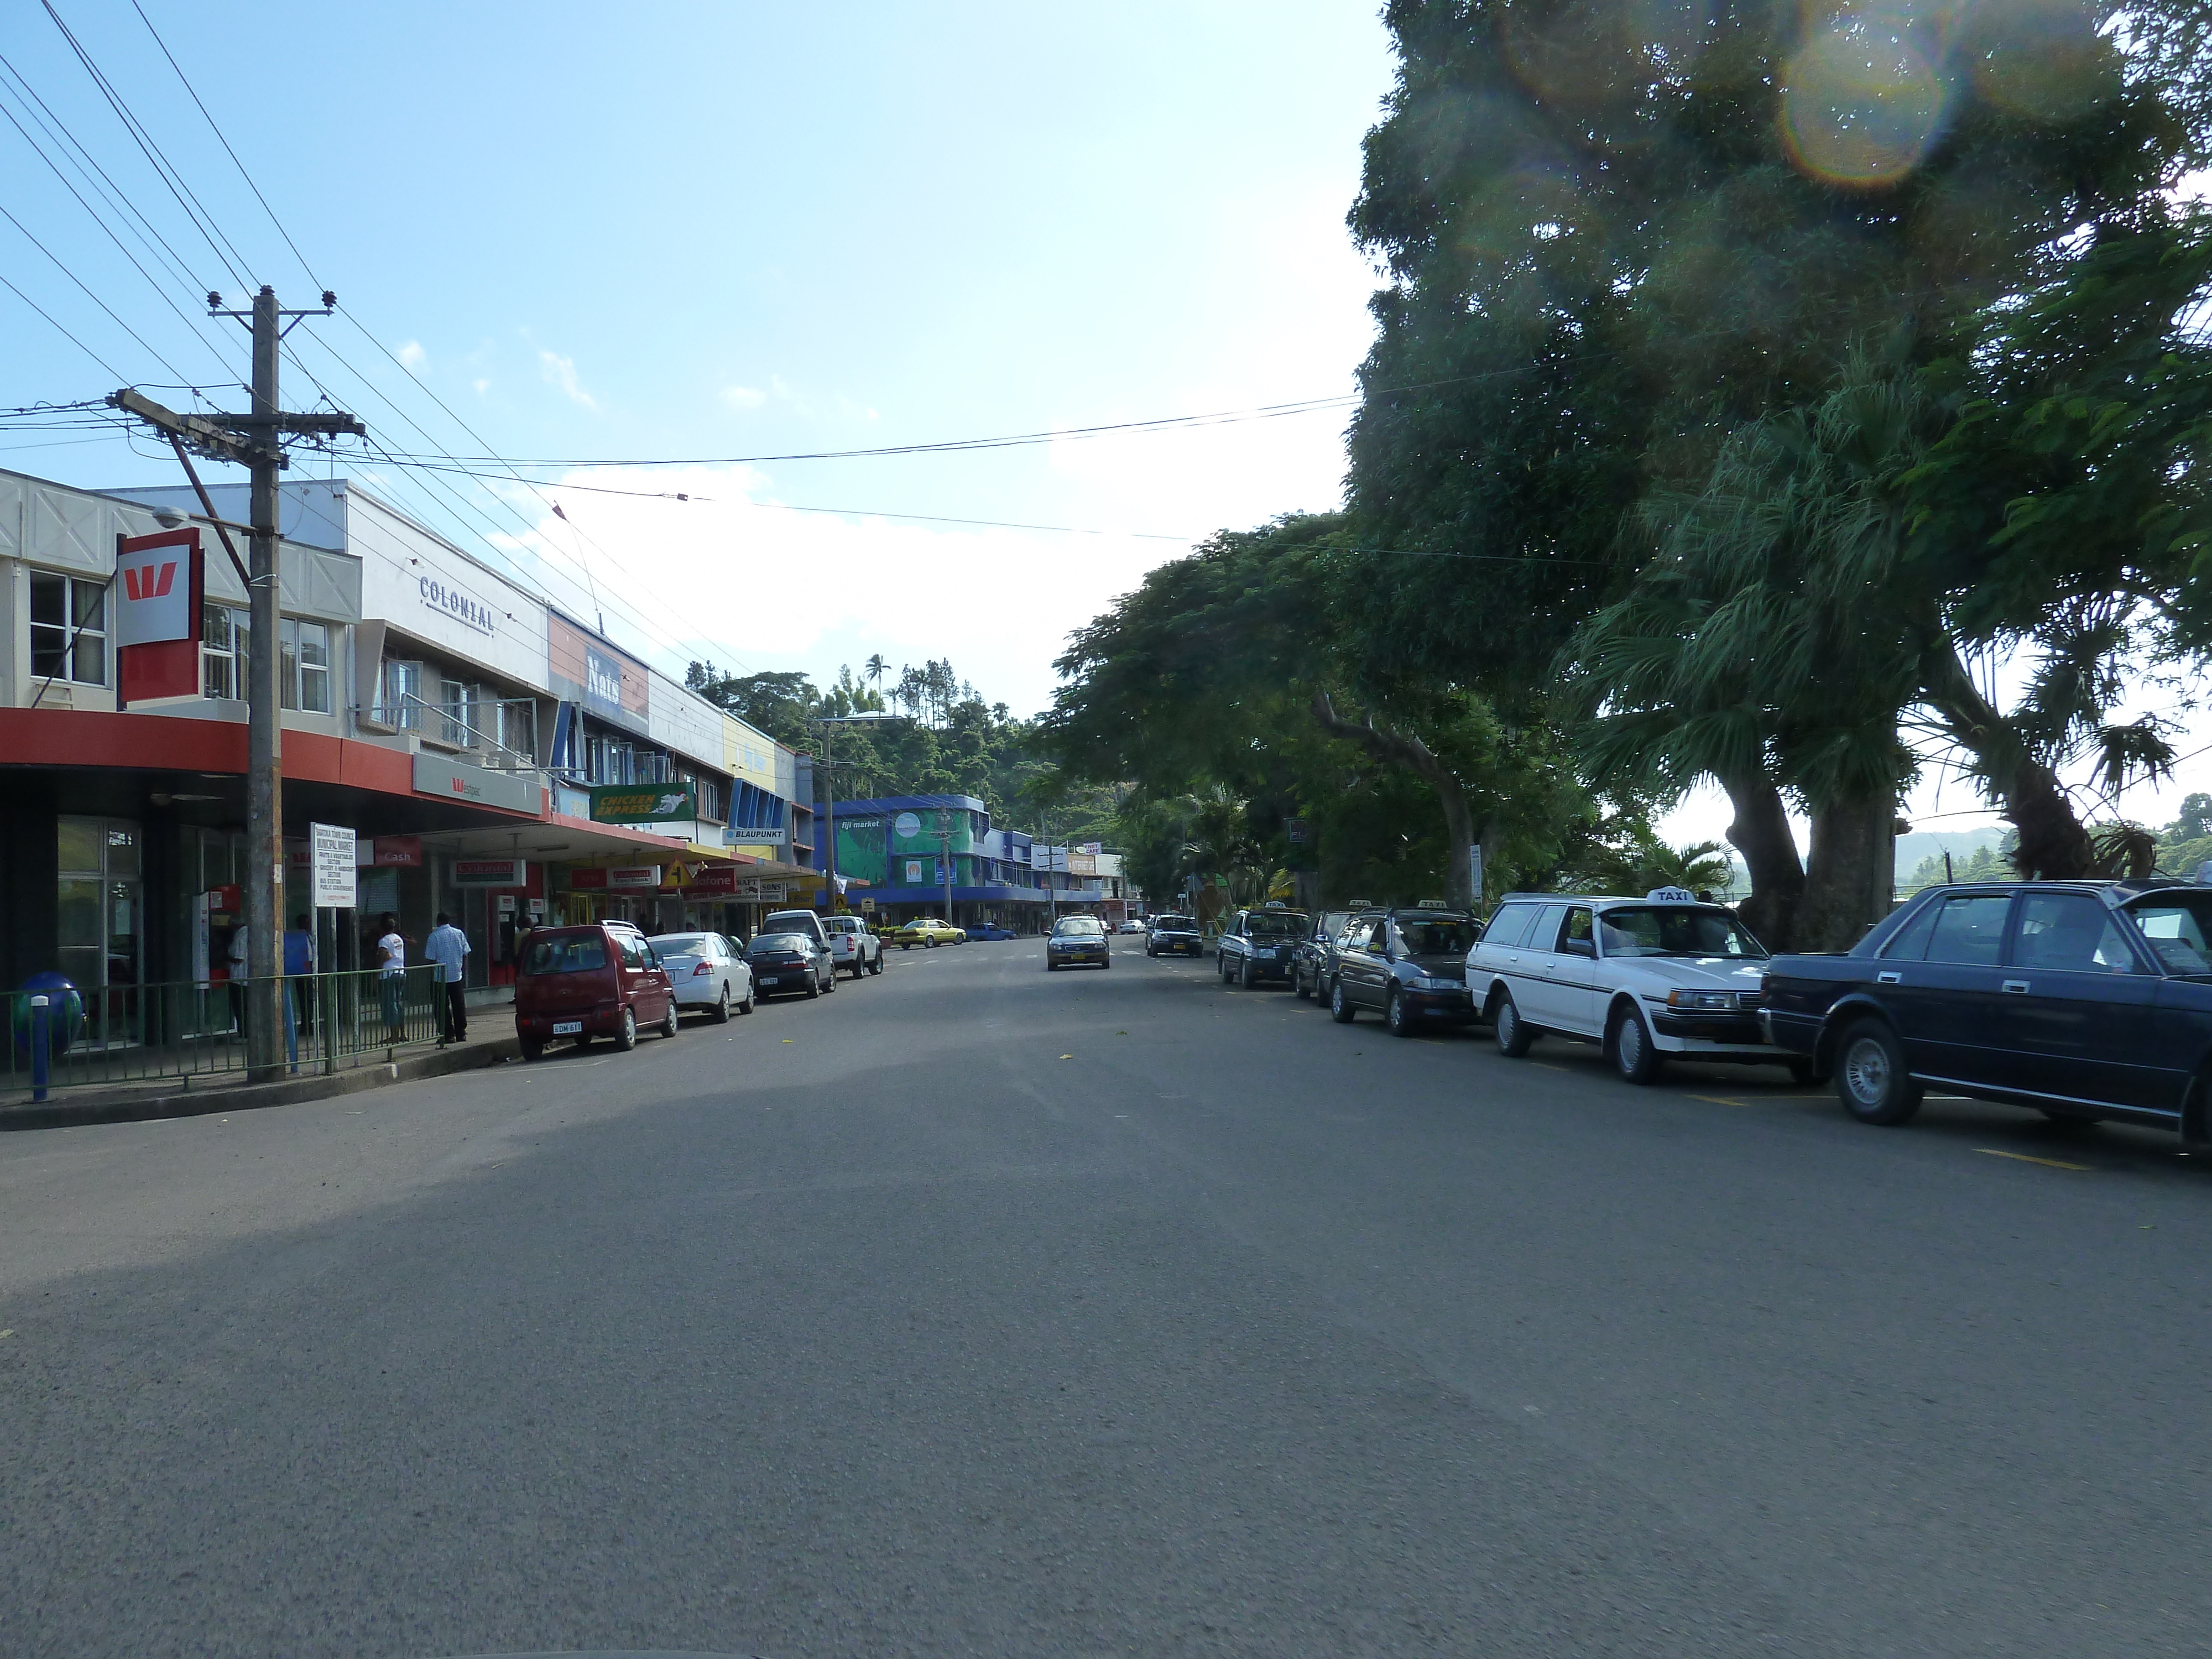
(170, 1097)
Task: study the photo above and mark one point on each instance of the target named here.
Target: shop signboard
(719, 883)
(758, 891)
(1082, 861)
(907, 825)
(479, 786)
(914, 877)
(401, 851)
(159, 584)
(644, 803)
(860, 854)
(331, 881)
(778, 834)
(637, 877)
(586, 670)
(490, 872)
(587, 881)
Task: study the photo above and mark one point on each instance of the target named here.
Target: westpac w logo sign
(149, 581)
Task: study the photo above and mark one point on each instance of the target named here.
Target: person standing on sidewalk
(299, 971)
(240, 1001)
(449, 946)
(392, 978)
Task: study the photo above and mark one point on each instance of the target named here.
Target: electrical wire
(113, 371)
(87, 293)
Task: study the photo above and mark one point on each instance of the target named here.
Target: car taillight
(704, 967)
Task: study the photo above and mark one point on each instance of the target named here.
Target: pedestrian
(392, 978)
(449, 946)
(300, 971)
(240, 1001)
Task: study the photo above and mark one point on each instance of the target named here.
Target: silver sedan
(709, 972)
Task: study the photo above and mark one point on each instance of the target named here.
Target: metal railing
(190, 1030)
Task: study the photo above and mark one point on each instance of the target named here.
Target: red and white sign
(719, 881)
(490, 872)
(641, 875)
(158, 587)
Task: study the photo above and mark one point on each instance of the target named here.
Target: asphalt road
(976, 1310)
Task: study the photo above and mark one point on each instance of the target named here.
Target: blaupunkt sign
(643, 802)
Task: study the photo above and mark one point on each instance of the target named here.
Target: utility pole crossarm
(212, 439)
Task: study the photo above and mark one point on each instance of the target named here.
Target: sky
(574, 232)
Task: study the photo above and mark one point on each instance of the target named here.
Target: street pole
(264, 746)
(944, 856)
(256, 442)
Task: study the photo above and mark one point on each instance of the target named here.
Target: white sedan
(709, 972)
(1652, 979)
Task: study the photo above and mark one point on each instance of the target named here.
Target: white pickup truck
(853, 948)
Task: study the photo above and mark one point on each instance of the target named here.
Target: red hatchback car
(599, 980)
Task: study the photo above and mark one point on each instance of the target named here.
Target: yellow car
(929, 932)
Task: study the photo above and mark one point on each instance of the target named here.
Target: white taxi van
(1648, 978)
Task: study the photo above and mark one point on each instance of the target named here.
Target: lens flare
(2041, 60)
(1860, 104)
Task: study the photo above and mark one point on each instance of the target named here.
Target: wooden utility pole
(255, 441)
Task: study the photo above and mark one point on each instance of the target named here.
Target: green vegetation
(1751, 387)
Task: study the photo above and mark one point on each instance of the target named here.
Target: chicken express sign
(644, 803)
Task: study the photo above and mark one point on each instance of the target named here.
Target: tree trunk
(1850, 875)
(1761, 833)
(1408, 750)
(2053, 845)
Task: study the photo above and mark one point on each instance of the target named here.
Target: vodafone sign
(157, 594)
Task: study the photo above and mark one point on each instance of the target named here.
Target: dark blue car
(2081, 999)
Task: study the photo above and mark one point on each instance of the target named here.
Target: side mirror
(1579, 947)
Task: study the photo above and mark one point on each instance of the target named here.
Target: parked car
(990, 930)
(1316, 952)
(1650, 978)
(1258, 946)
(1408, 965)
(1077, 939)
(600, 979)
(1175, 936)
(929, 932)
(787, 962)
(2081, 999)
(709, 972)
(852, 946)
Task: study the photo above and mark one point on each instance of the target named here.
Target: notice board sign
(330, 855)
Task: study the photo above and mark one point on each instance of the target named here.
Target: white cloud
(562, 372)
(743, 396)
(412, 354)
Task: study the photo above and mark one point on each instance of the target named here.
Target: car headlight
(1707, 1001)
(1425, 982)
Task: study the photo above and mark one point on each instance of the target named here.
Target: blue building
(897, 845)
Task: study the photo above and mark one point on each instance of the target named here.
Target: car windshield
(1173, 925)
(2179, 926)
(566, 953)
(1677, 929)
(778, 942)
(1441, 936)
(1076, 925)
(1277, 924)
(679, 945)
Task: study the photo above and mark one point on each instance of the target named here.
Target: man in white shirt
(449, 946)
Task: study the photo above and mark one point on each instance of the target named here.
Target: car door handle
(1888, 979)
(2017, 986)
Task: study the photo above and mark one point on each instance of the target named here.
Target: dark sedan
(1408, 965)
(1077, 940)
(786, 963)
(1174, 936)
(2081, 999)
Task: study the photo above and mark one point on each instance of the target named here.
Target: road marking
(1718, 1100)
(2047, 1162)
(1543, 1065)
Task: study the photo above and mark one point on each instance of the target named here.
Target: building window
(518, 728)
(69, 628)
(457, 727)
(223, 636)
(400, 703)
(304, 673)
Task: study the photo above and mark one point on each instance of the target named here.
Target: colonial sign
(449, 600)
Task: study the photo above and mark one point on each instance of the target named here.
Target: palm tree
(874, 669)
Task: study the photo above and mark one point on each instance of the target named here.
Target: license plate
(567, 1027)
(769, 979)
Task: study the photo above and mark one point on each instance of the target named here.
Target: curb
(255, 1096)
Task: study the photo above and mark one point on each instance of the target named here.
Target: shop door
(102, 925)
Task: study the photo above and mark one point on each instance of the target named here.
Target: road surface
(980, 1310)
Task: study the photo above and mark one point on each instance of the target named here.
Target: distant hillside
(1961, 844)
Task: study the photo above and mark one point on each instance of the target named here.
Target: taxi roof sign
(1433, 904)
(1672, 896)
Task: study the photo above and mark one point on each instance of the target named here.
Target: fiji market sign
(644, 803)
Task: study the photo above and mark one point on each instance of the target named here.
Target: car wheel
(1245, 976)
(1340, 1005)
(1871, 1079)
(531, 1049)
(903, 945)
(1633, 1052)
(626, 1038)
(876, 966)
(722, 1008)
(1513, 1037)
(1800, 1072)
(1108, 962)
(746, 1006)
(1299, 985)
(930, 944)
(830, 979)
(668, 1025)
(813, 985)
(1396, 1015)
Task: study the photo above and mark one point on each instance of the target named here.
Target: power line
(88, 294)
(114, 373)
